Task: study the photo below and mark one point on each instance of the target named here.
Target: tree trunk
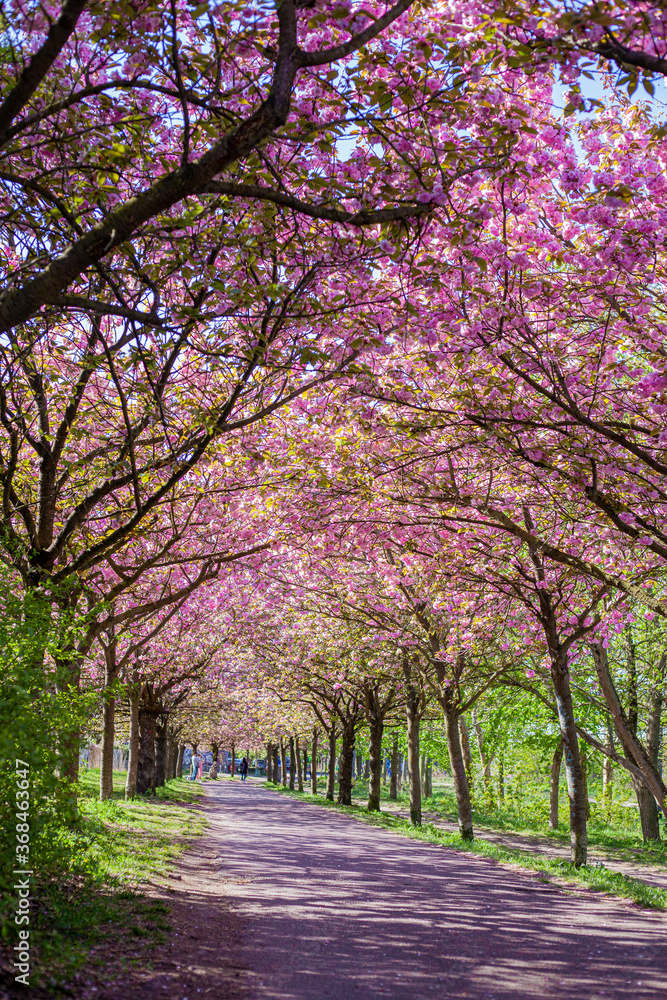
(367, 769)
(632, 747)
(413, 720)
(292, 763)
(69, 683)
(560, 676)
(467, 753)
(276, 764)
(148, 713)
(393, 785)
(648, 810)
(346, 759)
(607, 787)
(233, 773)
(554, 785)
(179, 760)
(313, 762)
(303, 777)
(331, 777)
(422, 770)
(584, 772)
(376, 725)
(428, 779)
(383, 756)
(485, 759)
(134, 697)
(160, 751)
(168, 758)
(654, 727)
(457, 763)
(269, 763)
(283, 762)
(108, 722)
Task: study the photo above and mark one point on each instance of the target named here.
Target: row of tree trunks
(155, 755)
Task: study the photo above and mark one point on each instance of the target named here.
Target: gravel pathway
(327, 907)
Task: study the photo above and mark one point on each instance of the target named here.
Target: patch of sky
(600, 87)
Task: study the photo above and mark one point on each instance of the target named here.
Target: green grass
(619, 841)
(591, 877)
(95, 908)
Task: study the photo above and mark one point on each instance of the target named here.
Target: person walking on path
(200, 768)
(193, 765)
(244, 768)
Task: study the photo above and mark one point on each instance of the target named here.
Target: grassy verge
(95, 910)
(594, 877)
(618, 842)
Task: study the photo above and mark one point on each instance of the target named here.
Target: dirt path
(284, 900)
(330, 908)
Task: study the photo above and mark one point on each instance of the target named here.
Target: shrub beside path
(286, 900)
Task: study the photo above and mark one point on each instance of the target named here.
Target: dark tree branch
(40, 64)
(361, 218)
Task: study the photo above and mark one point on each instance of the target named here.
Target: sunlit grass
(116, 849)
(593, 877)
(620, 840)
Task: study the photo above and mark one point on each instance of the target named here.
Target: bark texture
(161, 723)
(134, 698)
(457, 763)
(108, 722)
(292, 763)
(554, 785)
(346, 759)
(313, 761)
(623, 726)
(376, 725)
(149, 710)
(331, 775)
(413, 722)
(393, 784)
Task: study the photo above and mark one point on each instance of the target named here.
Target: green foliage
(39, 710)
(117, 847)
